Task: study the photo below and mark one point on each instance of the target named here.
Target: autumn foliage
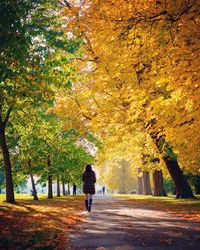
(39, 224)
(138, 79)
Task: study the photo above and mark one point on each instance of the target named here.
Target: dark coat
(89, 180)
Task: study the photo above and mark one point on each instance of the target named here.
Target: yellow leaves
(114, 172)
(197, 20)
(144, 67)
(71, 12)
(189, 105)
(140, 174)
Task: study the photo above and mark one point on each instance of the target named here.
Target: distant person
(103, 190)
(74, 189)
(89, 179)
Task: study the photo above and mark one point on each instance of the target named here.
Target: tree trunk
(58, 186)
(68, 188)
(10, 198)
(122, 181)
(140, 184)
(50, 183)
(197, 184)
(35, 197)
(183, 189)
(146, 183)
(158, 183)
(50, 189)
(34, 193)
(63, 188)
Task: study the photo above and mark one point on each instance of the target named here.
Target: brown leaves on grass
(189, 212)
(186, 215)
(38, 224)
(183, 209)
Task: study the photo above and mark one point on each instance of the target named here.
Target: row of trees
(124, 71)
(36, 60)
(139, 81)
(119, 171)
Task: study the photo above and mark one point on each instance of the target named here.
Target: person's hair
(88, 168)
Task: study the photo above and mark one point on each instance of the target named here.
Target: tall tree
(31, 68)
(139, 70)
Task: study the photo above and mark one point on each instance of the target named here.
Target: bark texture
(183, 189)
(58, 186)
(50, 182)
(34, 191)
(158, 183)
(35, 197)
(146, 184)
(68, 188)
(63, 188)
(7, 165)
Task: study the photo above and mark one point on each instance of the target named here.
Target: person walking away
(103, 190)
(89, 180)
(74, 189)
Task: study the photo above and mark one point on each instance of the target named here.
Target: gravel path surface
(115, 224)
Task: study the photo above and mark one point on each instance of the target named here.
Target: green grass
(22, 197)
(169, 198)
(29, 197)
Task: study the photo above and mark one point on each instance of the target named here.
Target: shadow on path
(114, 224)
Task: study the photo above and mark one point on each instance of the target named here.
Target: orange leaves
(38, 224)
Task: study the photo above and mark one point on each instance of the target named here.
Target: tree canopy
(140, 74)
(123, 75)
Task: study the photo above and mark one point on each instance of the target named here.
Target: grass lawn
(188, 209)
(39, 224)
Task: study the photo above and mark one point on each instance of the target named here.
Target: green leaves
(35, 135)
(33, 52)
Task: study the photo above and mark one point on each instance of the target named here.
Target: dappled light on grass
(182, 208)
(37, 224)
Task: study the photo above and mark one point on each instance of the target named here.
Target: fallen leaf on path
(167, 241)
(129, 225)
(196, 228)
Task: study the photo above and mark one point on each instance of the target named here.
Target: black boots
(90, 204)
(86, 205)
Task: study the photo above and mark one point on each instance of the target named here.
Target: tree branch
(7, 116)
(79, 105)
(187, 122)
(64, 3)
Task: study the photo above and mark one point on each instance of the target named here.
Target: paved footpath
(114, 224)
